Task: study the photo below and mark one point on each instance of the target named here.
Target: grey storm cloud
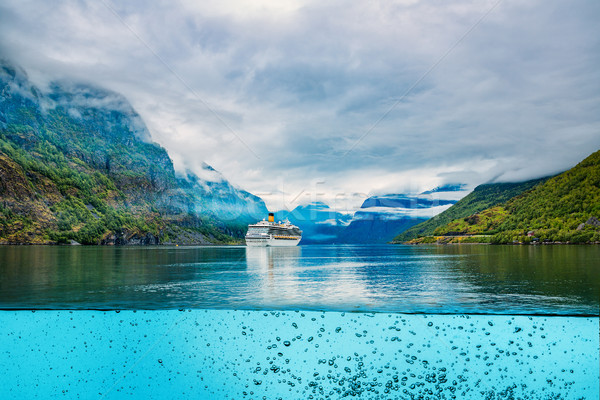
(360, 97)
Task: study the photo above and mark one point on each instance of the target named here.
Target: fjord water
(387, 321)
(561, 280)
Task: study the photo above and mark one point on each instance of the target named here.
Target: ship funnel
(271, 217)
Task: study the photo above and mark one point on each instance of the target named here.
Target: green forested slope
(563, 209)
(77, 163)
(484, 196)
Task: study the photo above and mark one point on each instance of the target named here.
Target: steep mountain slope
(484, 196)
(77, 164)
(563, 208)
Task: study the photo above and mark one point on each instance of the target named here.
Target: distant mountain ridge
(318, 222)
(378, 220)
(382, 217)
(377, 227)
(77, 164)
(449, 187)
(404, 201)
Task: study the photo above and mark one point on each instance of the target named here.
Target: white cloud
(275, 94)
(398, 213)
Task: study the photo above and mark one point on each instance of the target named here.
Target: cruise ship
(269, 233)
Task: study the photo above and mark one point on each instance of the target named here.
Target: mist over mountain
(219, 198)
(381, 218)
(404, 201)
(449, 187)
(77, 164)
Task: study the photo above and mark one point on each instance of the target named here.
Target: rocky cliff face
(77, 164)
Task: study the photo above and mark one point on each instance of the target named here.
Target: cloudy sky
(334, 100)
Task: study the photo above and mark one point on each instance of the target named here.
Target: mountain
(404, 201)
(217, 197)
(371, 227)
(564, 208)
(380, 218)
(449, 187)
(77, 164)
(318, 222)
(482, 197)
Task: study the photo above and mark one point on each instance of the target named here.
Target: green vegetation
(71, 170)
(483, 197)
(563, 209)
(61, 202)
(478, 239)
(476, 224)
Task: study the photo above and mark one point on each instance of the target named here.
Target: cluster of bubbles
(426, 360)
(297, 355)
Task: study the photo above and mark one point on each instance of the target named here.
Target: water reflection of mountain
(116, 277)
(482, 279)
(403, 276)
(560, 280)
(562, 274)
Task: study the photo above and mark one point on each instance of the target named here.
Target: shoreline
(124, 245)
(499, 244)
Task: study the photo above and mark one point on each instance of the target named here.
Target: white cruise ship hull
(271, 242)
(271, 234)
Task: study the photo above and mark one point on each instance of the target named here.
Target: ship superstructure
(270, 233)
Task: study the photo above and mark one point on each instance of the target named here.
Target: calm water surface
(550, 280)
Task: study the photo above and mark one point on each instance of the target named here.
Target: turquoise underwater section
(227, 354)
